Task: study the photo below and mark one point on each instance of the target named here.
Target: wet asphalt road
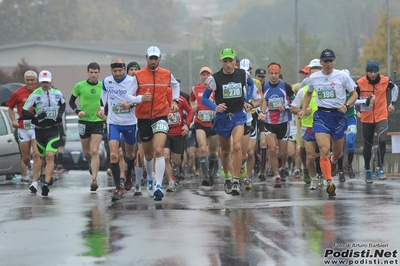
(265, 226)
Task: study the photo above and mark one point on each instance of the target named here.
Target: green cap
(227, 53)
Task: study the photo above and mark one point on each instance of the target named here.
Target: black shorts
(145, 127)
(175, 144)
(254, 124)
(86, 128)
(207, 130)
(247, 129)
(45, 136)
(281, 130)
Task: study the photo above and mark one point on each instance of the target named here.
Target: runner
(228, 85)
(25, 129)
(330, 121)
(207, 140)
(89, 124)
(49, 105)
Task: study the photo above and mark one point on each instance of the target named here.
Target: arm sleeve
(175, 88)
(72, 103)
(250, 89)
(205, 99)
(395, 93)
(61, 110)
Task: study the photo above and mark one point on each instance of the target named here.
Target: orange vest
(379, 110)
(158, 82)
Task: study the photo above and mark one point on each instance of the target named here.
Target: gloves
(41, 115)
(59, 119)
(34, 121)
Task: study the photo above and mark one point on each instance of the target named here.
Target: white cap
(45, 76)
(315, 63)
(153, 51)
(245, 64)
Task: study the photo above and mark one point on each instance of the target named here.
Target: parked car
(10, 158)
(73, 158)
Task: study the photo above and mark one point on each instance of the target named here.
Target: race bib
(28, 125)
(232, 90)
(118, 110)
(81, 129)
(205, 115)
(160, 126)
(51, 112)
(175, 119)
(351, 129)
(363, 107)
(327, 93)
(273, 103)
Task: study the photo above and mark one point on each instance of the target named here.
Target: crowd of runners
(233, 125)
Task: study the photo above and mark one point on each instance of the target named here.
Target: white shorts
(26, 135)
(292, 130)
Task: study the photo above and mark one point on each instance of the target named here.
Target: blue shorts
(307, 134)
(128, 133)
(224, 123)
(332, 123)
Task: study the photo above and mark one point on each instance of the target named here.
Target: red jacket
(175, 125)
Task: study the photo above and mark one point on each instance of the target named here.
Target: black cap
(327, 54)
(261, 72)
(132, 64)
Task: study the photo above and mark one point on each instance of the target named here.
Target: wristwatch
(176, 100)
(347, 106)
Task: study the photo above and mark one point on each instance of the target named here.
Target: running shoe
(25, 179)
(243, 171)
(33, 187)
(282, 173)
(351, 172)
(341, 177)
(368, 177)
(306, 177)
(118, 193)
(171, 187)
(330, 189)
(16, 179)
(277, 182)
(247, 184)
(236, 191)
(380, 174)
(128, 183)
(93, 185)
(262, 177)
(297, 174)
(206, 182)
(228, 186)
(45, 190)
(138, 191)
(314, 183)
(158, 193)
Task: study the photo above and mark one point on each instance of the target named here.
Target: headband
(274, 68)
(117, 65)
